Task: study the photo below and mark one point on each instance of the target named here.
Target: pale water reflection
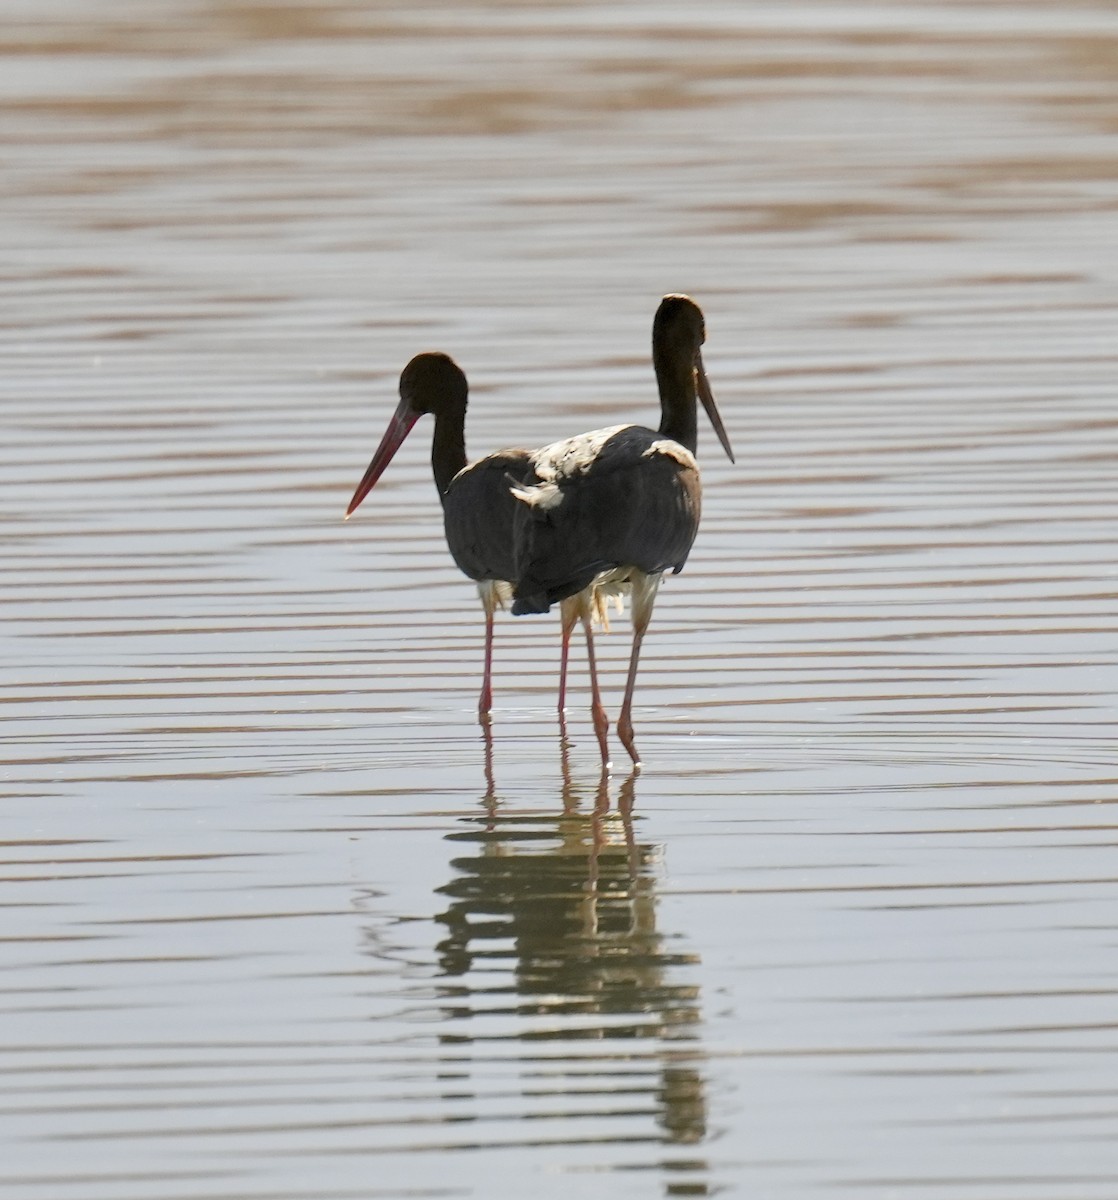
(552, 936)
(273, 923)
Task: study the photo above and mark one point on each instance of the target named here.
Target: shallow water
(276, 921)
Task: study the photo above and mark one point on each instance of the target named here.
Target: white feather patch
(671, 449)
(614, 585)
(539, 495)
(574, 456)
(494, 594)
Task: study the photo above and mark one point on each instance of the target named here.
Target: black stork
(608, 512)
(479, 510)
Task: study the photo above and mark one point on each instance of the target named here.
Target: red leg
(644, 597)
(485, 701)
(625, 721)
(601, 721)
(569, 611)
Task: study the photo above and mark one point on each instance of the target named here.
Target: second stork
(609, 511)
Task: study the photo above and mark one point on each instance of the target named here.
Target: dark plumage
(480, 511)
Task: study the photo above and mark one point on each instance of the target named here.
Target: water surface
(276, 922)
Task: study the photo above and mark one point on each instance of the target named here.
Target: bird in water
(608, 512)
(584, 520)
(479, 509)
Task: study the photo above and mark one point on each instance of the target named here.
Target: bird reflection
(552, 936)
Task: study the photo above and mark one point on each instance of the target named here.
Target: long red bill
(398, 428)
(707, 397)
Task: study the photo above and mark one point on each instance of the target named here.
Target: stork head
(678, 333)
(430, 383)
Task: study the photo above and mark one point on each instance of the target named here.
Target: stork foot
(625, 733)
(601, 729)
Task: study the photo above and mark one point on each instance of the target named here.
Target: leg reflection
(551, 934)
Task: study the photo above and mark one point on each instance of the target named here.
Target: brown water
(272, 925)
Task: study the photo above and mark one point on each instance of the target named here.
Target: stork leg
(568, 610)
(625, 720)
(485, 700)
(644, 597)
(601, 721)
(489, 593)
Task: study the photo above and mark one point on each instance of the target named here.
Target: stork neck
(448, 447)
(675, 377)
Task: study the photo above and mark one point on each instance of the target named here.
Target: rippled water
(276, 922)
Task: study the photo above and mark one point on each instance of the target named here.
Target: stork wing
(479, 513)
(634, 500)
